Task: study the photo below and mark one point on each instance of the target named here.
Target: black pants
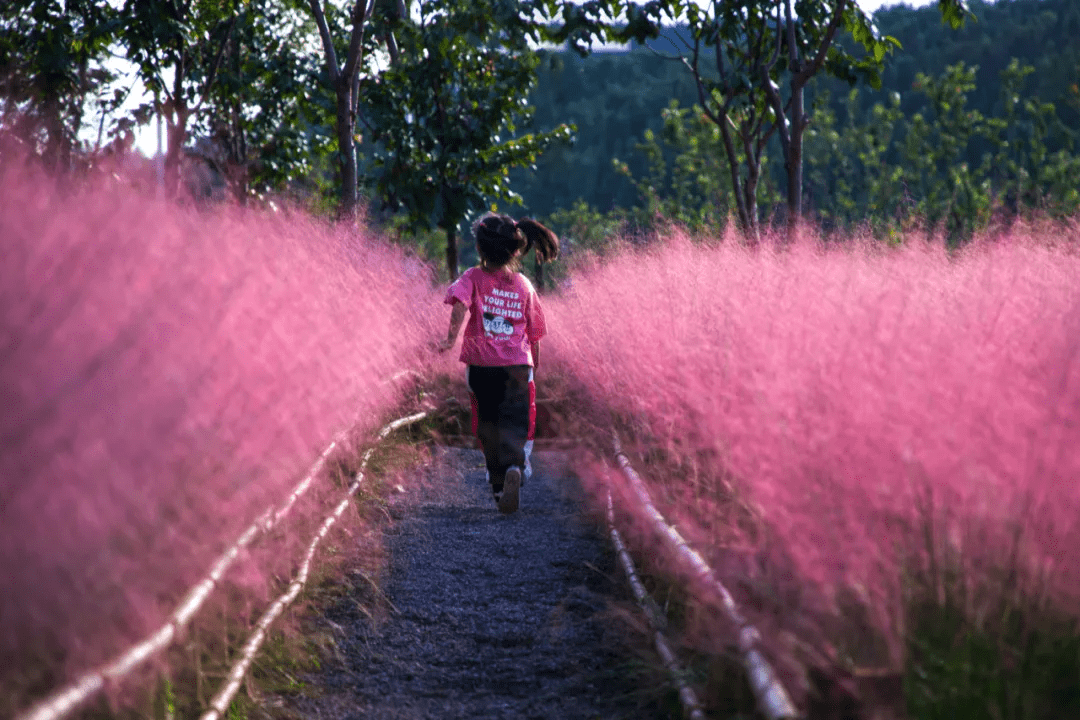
(504, 418)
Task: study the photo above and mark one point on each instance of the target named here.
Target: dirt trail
(488, 616)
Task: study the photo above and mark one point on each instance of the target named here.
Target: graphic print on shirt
(498, 306)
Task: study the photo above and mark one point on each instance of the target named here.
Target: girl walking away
(501, 346)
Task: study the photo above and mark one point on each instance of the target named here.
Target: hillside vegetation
(998, 100)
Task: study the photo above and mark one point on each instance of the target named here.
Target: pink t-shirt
(505, 317)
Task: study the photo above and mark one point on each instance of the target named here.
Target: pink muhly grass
(167, 375)
(858, 397)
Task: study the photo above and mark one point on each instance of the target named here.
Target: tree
(1026, 173)
(761, 56)
(51, 64)
(949, 167)
(753, 48)
(343, 78)
(268, 130)
(442, 118)
(686, 182)
(178, 48)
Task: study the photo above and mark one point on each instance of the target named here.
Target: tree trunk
(54, 140)
(345, 80)
(176, 135)
(747, 219)
(451, 252)
(793, 160)
(346, 149)
(750, 186)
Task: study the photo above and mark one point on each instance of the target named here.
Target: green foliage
(950, 169)
(52, 63)
(166, 38)
(611, 99)
(958, 145)
(947, 189)
(751, 61)
(583, 230)
(264, 113)
(954, 12)
(579, 25)
(1025, 172)
(849, 178)
(444, 117)
(953, 168)
(1039, 33)
(177, 49)
(428, 244)
(688, 181)
(1024, 666)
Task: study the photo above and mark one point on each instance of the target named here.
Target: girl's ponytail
(537, 236)
(498, 238)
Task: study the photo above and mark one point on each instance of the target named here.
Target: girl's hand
(445, 344)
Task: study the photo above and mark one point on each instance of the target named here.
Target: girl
(501, 346)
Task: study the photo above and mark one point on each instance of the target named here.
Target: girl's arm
(536, 355)
(457, 317)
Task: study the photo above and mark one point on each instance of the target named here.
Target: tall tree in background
(52, 57)
(443, 118)
(267, 131)
(343, 68)
(751, 61)
(178, 49)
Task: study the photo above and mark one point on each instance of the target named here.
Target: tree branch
(772, 94)
(793, 48)
(327, 42)
(758, 50)
(356, 39)
(736, 180)
(217, 63)
(804, 75)
(779, 41)
(389, 39)
(700, 84)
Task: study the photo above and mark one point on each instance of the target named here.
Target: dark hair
(498, 237)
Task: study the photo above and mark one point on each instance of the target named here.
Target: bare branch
(736, 180)
(678, 55)
(721, 67)
(353, 64)
(678, 33)
(766, 136)
(392, 48)
(696, 72)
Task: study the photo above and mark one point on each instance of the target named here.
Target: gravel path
(488, 616)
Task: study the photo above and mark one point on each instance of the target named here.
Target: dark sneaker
(508, 503)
